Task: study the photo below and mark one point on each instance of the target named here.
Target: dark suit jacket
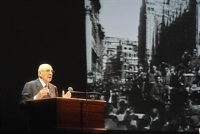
(156, 125)
(32, 88)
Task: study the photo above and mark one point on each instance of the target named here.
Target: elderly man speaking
(41, 87)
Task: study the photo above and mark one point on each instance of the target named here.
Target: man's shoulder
(52, 85)
(33, 81)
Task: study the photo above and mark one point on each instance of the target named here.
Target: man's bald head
(44, 66)
(45, 72)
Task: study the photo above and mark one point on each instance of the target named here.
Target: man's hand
(43, 92)
(67, 95)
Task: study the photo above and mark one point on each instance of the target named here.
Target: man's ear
(39, 74)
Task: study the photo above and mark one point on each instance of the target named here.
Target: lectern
(66, 114)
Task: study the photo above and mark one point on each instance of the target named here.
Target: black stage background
(34, 32)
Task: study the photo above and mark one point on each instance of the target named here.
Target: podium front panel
(42, 113)
(66, 114)
(93, 114)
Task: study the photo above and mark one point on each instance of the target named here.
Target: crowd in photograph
(164, 98)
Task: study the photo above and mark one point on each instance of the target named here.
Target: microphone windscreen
(70, 89)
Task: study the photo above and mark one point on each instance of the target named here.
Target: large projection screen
(143, 58)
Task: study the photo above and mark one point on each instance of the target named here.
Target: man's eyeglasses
(48, 71)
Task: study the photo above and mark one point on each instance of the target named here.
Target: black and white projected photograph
(143, 59)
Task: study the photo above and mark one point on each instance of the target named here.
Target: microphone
(70, 89)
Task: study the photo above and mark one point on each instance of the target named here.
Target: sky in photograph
(120, 18)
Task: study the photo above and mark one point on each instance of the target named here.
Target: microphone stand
(86, 110)
(94, 94)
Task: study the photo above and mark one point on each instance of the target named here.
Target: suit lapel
(38, 85)
(50, 87)
(50, 90)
